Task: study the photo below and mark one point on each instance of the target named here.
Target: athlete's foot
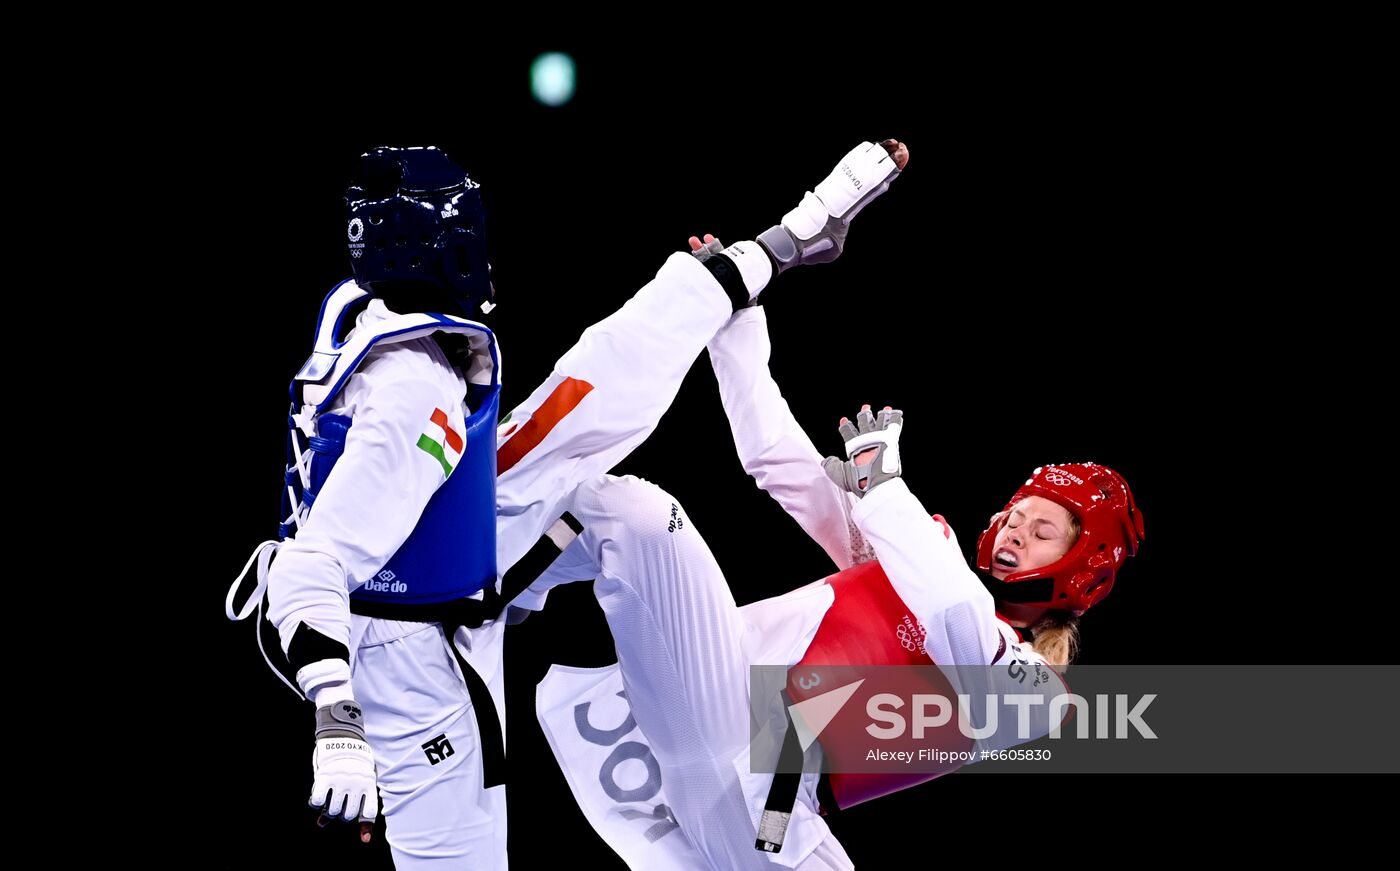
(815, 231)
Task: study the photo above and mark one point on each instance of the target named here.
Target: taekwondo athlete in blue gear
(415, 233)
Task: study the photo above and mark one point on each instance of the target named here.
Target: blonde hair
(1056, 634)
(1056, 638)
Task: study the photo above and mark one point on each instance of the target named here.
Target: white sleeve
(921, 557)
(604, 398)
(772, 447)
(373, 497)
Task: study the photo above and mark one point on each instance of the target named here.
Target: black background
(1068, 269)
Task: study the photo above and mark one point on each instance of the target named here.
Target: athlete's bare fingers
(898, 150)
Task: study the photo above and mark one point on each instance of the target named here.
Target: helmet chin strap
(1013, 612)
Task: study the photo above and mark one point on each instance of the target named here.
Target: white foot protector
(815, 231)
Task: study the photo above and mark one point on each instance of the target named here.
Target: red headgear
(1110, 529)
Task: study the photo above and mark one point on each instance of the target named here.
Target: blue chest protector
(451, 553)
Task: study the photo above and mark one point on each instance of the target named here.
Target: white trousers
(427, 747)
(678, 633)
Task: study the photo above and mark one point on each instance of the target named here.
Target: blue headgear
(416, 216)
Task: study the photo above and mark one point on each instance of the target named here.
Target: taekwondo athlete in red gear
(856, 509)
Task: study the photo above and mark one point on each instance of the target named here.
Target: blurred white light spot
(552, 78)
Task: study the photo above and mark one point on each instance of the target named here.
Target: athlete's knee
(634, 508)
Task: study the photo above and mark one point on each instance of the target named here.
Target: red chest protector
(869, 625)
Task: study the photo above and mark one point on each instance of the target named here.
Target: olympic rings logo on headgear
(1057, 479)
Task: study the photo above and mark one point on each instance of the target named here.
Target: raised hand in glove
(872, 451)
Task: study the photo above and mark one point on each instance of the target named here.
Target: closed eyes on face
(1044, 528)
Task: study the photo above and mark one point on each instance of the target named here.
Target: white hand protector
(872, 451)
(343, 786)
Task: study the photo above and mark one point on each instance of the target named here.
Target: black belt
(782, 794)
(471, 613)
(488, 721)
